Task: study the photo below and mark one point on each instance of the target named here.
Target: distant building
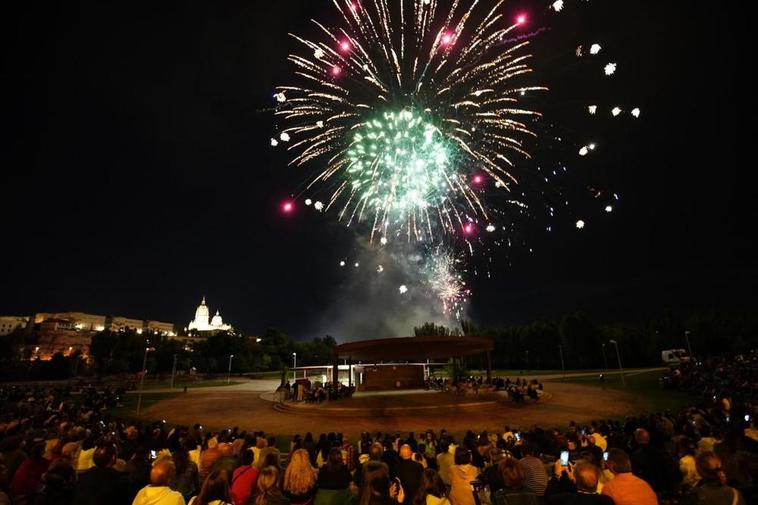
(8, 324)
(201, 322)
(69, 332)
(80, 320)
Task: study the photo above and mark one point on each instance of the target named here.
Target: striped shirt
(535, 475)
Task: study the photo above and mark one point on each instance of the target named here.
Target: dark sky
(137, 175)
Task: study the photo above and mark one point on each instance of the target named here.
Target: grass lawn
(129, 409)
(646, 385)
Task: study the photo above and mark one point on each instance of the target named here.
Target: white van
(674, 356)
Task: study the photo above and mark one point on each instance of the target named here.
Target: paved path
(270, 385)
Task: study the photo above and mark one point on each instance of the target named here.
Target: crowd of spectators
(732, 375)
(62, 447)
(517, 390)
(314, 392)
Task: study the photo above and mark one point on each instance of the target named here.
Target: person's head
(335, 458)
(377, 483)
(104, 455)
(268, 482)
(618, 461)
(268, 457)
(512, 472)
(587, 476)
(163, 472)
(375, 451)
(529, 449)
(299, 478)
(406, 452)
(462, 456)
(431, 484)
(642, 436)
(247, 457)
(215, 487)
(709, 467)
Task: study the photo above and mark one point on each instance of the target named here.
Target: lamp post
(142, 380)
(229, 376)
(687, 338)
(618, 356)
(173, 372)
(294, 365)
(563, 366)
(605, 359)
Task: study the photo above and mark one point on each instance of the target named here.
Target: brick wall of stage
(392, 377)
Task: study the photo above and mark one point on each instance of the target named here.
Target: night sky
(137, 175)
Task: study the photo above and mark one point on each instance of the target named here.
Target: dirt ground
(244, 407)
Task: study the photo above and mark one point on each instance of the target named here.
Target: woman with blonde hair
(300, 478)
(267, 490)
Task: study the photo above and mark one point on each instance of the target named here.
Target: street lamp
(618, 356)
(294, 365)
(142, 379)
(173, 372)
(605, 359)
(687, 338)
(229, 377)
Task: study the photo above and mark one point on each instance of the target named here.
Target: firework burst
(446, 281)
(401, 105)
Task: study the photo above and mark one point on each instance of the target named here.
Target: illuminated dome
(202, 311)
(203, 322)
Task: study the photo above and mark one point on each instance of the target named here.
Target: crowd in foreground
(59, 448)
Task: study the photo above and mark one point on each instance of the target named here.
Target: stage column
(336, 371)
(350, 371)
(489, 366)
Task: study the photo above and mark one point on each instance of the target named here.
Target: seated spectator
(214, 491)
(187, 479)
(712, 489)
(159, 492)
(585, 476)
(409, 472)
(445, 460)
(462, 473)
(267, 490)
(299, 479)
(334, 474)
(58, 485)
(431, 490)
(244, 479)
(493, 475)
(514, 491)
(535, 475)
(28, 478)
(102, 483)
(651, 464)
(138, 469)
(377, 489)
(625, 488)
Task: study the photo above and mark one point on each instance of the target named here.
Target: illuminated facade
(8, 324)
(203, 321)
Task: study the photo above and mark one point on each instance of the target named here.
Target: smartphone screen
(564, 458)
(152, 454)
(605, 456)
